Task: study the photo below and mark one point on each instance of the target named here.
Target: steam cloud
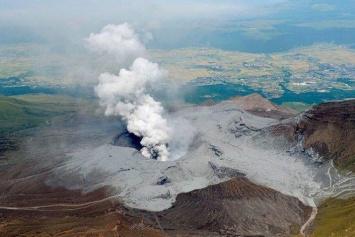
(125, 95)
(118, 40)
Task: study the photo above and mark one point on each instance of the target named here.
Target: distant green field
(21, 112)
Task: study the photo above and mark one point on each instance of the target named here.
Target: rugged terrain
(326, 131)
(329, 129)
(85, 177)
(234, 208)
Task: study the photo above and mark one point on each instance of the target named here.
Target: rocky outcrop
(329, 129)
(326, 131)
(234, 208)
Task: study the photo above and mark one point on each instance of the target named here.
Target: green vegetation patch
(336, 217)
(297, 106)
(21, 112)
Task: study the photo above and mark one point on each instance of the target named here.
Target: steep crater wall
(329, 129)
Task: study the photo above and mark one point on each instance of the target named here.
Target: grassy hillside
(336, 217)
(28, 111)
(297, 106)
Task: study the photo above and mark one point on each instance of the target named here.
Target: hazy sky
(67, 22)
(46, 17)
(131, 9)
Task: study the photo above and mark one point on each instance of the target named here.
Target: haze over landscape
(165, 118)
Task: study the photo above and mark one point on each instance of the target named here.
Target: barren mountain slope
(329, 128)
(234, 208)
(257, 105)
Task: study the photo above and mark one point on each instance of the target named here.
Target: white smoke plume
(118, 40)
(125, 95)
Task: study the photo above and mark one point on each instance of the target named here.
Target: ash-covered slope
(234, 208)
(228, 142)
(278, 173)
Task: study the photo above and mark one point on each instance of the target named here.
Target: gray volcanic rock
(228, 142)
(225, 172)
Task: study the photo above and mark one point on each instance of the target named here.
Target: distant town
(320, 68)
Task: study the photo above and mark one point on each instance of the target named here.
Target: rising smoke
(126, 95)
(117, 40)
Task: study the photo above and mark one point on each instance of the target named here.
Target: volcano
(245, 173)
